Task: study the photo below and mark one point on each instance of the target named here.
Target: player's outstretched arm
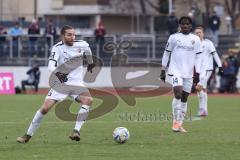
(198, 58)
(198, 63)
(53, 59)
(165, 60)
(219, 63)
(217, 59)
(88, 54)
(163, 75)
(167, 52)
(52, 65)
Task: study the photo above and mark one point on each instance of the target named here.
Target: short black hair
(64, 28)
(185, 18)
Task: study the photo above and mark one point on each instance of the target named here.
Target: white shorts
(204, 77)
(185, 82)
(54, 95)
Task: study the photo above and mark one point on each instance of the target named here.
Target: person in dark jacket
(50, 30)
(172, 23)
(100, 33)
(214, 25)
(33, 29)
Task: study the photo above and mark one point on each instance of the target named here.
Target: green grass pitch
(216, 137)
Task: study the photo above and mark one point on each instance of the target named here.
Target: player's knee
(177, 92)
(178, 96)
(45, 108)
(87, 100)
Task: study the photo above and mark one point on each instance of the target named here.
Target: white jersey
(183, 51)
(209, 53)
(60, 53)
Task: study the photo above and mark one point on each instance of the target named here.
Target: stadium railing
(144, 48)
(144, 45)
(21, 48)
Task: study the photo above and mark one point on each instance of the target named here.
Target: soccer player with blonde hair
(209, 53)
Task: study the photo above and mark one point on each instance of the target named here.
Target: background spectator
(33, 29)
(50, 29)
(197, 15)
(214, 25)
(99, 33)
(190, 14)
(229, 78)
(219, 9)
(3, 32)
(172, 23)
(16, 32)
(33, 78)
(229, 24)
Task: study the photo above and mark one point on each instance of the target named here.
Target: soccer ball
(121, 134)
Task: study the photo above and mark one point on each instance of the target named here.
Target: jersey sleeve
(198, 51)
(53, 59)
(198, 46)
(88, 53)
(212, 49)
(167, 53)
(216, 58)
(165, 59)
(170, 44)
(87, 49)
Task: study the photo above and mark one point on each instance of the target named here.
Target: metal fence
(143, 46)
(27, 48)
